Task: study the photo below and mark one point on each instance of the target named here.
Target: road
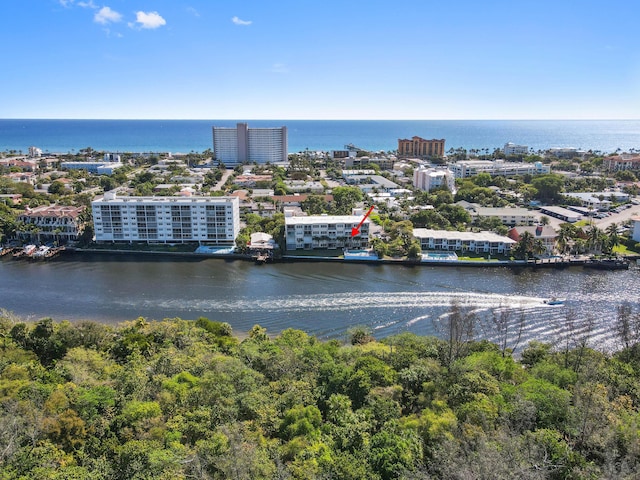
(227, 173)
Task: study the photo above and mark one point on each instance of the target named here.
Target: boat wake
(354, 301)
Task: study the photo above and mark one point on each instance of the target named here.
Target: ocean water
(183, 136)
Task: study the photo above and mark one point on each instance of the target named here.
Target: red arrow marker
(356, 231)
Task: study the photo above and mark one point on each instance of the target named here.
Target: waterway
(324, 300)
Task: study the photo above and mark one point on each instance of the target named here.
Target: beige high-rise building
(419, 147)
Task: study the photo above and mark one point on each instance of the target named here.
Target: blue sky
(303, 59)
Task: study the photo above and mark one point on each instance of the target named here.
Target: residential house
(545, 233)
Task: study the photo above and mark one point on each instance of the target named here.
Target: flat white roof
(502, 211)
(455, 235)
(165, 200)
(316, 219)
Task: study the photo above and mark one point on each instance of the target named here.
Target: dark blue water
(324, 299)
(195, 135)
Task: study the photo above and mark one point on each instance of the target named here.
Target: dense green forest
(181, 399)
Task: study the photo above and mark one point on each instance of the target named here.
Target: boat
(554, 301)
(41, 253)
(25, 252)
(607, 264)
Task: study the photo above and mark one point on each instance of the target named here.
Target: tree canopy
(186, 399)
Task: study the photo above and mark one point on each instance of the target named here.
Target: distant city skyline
(254, 60)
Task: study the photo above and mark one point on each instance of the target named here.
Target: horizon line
(346, 119)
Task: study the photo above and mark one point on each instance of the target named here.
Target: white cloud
(106, 15)
(149, 20)
(193, 11)
(83, 4)
(238, 21)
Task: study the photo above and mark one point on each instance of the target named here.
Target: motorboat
(555, 301)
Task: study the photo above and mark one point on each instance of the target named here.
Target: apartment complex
(421, 148)
(481, 242)
(468, 168)
(210, 220)
(58, 223)
(513, 149)
(618, 163)
(234, 146)
(325, 231)
(507, 215)
(427, 179)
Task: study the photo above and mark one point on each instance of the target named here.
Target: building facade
(513, 149)
(325, 232)
(98, 168)
(234, 146)
(545, 233)
(57, 223)
(481, 242)
(508, 215)
(622, 162)
(421, 148)
(209, 220)
(427, 179)
(468, 168)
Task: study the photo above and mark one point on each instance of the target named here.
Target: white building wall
(325, 232)
(225, 145)
(267, 145)
(213, 220)
(233, 146)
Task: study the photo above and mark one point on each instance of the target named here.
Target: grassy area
(624, 250)
(583, 223)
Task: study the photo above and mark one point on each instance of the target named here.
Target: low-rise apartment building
(622, 162)
(325, 232)
(98, 168)
(427, 179)
(468, 168)
(209, 220)
(513, 149)
(51, 223)
(508, 216)
(477, 242)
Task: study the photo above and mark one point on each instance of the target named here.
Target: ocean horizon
(184, 136)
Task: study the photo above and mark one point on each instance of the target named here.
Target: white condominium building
(427, 179)
(325, 231)
(234, 146)
(513, 149)
(480, 242)
(507, 215)
(210, 220)
(468, 168)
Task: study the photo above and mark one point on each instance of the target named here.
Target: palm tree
(524, 247)
(614, 238)
(595, 239)
(562, 240)
(538, 247)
